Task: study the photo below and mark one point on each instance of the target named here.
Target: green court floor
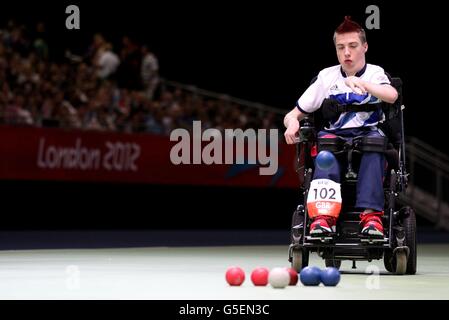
(193, 273)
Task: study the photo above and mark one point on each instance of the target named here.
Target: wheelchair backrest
(392, 126)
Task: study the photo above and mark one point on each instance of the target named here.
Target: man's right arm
(291, 122)
(309, 102)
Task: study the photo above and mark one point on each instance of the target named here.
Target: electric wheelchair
(398, 246)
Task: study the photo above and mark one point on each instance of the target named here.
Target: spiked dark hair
(350, 26)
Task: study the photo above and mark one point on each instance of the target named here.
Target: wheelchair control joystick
(307, 131)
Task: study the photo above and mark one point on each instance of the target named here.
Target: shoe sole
(372, 232)
(320, 231)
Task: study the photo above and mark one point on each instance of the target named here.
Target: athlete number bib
(324, 198)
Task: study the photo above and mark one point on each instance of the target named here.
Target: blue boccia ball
(330, 276)
(325, 160)
(310, 276)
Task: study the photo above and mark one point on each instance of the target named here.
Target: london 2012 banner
(54, 154)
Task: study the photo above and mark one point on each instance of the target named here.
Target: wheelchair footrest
(370, 240)
(324, 239)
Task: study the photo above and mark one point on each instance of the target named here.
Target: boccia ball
(310, 276)
(293, 276)
(330, 276)
(325, 160)
(259, 276)
(279, 278)
(235, 276)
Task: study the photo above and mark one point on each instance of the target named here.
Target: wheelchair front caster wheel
(400, 262)
(300, 258)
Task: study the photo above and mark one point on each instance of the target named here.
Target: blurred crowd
(110, 87)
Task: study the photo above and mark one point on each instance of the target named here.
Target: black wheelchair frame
(398, 246)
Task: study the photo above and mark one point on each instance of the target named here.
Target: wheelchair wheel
(396, 263)
(300, 258)
(400, 263)
(335, 263)
(410, 238)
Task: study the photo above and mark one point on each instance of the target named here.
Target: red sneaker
(323, 225)
(372, 224)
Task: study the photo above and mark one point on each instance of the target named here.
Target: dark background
(260, 52)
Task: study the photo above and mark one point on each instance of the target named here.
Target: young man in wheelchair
(358, 89)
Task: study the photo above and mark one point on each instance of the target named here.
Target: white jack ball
(279, 278)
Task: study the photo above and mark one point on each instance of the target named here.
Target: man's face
(350, 52)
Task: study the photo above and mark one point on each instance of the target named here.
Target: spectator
(68, 116)
(40, 44)
(15, 112)
(77, 93)
(107, 62)
(149, 72)
(97, 42)
(129, 70)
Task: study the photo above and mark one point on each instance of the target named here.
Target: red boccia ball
(293, 276)
(235, 276)
(259, 276)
